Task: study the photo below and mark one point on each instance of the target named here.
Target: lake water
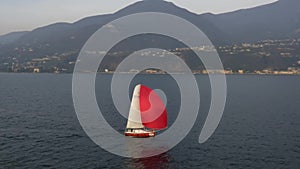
(260, 127)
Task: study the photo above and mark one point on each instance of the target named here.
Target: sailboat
(147, 113)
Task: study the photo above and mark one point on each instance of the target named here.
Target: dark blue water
(260, 127)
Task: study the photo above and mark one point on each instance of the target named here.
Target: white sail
(134, 119)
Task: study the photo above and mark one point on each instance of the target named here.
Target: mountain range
(11, 37)
(278, 20)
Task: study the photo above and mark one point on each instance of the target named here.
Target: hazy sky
(19, 15)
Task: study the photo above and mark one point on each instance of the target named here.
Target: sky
(26, 15)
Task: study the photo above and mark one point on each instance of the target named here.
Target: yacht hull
(140, 135)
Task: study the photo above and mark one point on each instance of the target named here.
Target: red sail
(153, 110)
